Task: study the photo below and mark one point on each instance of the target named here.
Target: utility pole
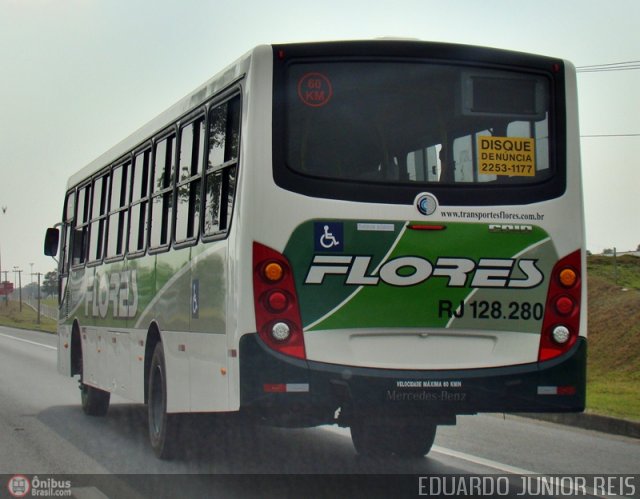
(6, 279)
(38, 274)
(615, 266)
(6, 297)
(19, 272)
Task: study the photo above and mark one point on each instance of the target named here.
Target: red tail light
(276, 303)
(561, 323)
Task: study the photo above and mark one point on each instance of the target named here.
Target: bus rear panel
(433, 264)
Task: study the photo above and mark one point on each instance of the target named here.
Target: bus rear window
(408, 123)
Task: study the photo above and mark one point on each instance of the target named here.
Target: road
(43, 431)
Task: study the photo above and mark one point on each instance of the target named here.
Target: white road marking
(505, 468)
(28, 341)
(482, 461)
(456, 454)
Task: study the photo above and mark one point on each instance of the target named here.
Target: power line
(612, 66)
(611, 135)
(608, 70)
(608, 64)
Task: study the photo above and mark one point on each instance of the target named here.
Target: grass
(616, 398)
(51, 302)
(613, 374)
(613, 386)
(11, 316)
(623, 271)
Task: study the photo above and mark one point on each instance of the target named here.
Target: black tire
(163, 427)
(383, 438)
(95, 402)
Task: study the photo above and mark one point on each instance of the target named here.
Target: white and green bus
(382, 235)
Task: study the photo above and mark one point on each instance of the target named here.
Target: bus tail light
(561, 323)
(276, 304)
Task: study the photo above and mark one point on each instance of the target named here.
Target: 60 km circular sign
(314, 89)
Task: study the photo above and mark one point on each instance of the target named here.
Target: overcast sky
(77, 76)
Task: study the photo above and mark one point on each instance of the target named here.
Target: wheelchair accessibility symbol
(328, 236)
(195, 299)
(328, 240)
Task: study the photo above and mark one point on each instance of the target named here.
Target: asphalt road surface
(44, 432)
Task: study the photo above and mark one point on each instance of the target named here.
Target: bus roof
(211, 87)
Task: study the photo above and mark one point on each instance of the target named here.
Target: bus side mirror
(51, 240)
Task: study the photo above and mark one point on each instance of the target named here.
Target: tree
(31, 290)
(50, 283)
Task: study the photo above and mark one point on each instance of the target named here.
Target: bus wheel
(95, 402)
(385, 438)
(163, 427)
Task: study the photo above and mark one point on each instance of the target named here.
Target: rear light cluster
(276, 303)
(561, 323)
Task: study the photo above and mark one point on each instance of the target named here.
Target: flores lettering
(118, 290)
(414, 270)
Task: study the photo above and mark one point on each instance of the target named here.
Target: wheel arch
(76, 349)
(153, 338)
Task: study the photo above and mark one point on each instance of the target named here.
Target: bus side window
(81, 228)
(162, 187)
(99, 217)
(463, 159)
(222, 166)
(464, 162)
(190, 164)
(117, 227)
(139, 202)
(423, 165)
(539, 130)
(67, 224)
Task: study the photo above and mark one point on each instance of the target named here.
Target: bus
(382, 235)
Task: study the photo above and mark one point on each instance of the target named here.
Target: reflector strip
(278, 388)
(286, 388)
(298, 387)
(427, 227)
(547, 390)
(566, 390)
(557, 390)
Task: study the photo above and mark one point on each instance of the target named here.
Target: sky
(77, 76)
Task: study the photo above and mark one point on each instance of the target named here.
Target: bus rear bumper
(294, 392)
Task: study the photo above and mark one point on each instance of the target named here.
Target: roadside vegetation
(11, 316)
(613, 374)
(613, 386)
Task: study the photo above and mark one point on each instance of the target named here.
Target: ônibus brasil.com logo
(21, 486)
